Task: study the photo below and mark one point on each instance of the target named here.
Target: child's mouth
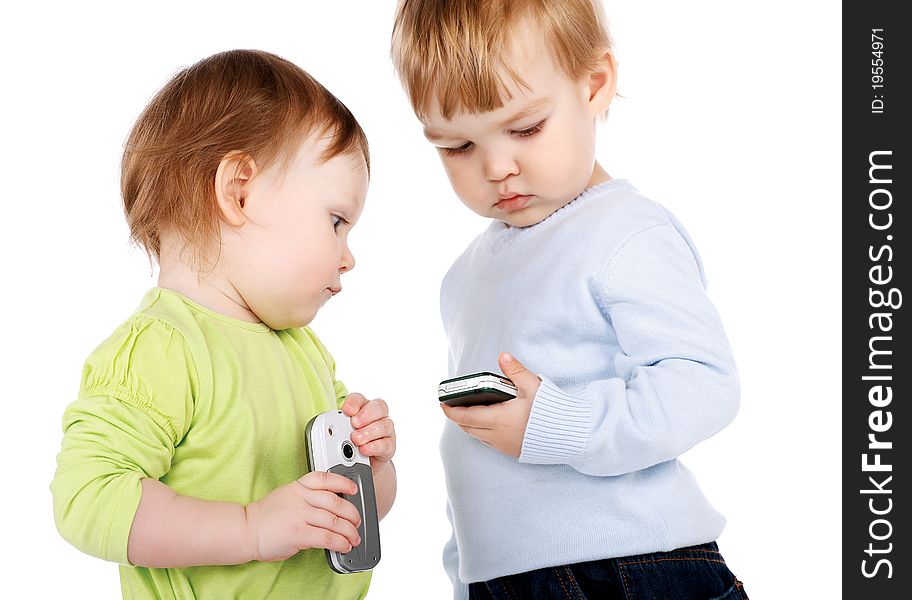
(513, 203)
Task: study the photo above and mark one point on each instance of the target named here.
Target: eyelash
(522, 133)
(457, 151)
(530, 131)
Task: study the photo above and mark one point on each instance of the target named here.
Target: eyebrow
(532, 107)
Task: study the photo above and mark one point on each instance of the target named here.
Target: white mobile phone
(476, 389)
(329, 448)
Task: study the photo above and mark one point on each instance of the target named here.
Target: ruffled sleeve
(135, 405)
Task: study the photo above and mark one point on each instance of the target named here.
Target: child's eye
(456, 151)
(337, 221)
(530, 131)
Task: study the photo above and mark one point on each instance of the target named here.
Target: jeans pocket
(735, 592)
(678, 575)
(553, 583)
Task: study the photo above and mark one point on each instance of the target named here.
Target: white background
(731, 119)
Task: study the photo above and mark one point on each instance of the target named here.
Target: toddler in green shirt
(183, 458)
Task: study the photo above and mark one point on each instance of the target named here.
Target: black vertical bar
(877, 439)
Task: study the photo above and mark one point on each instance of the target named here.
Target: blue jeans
(692, 573)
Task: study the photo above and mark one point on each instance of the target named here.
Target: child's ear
(602, 84)
(232, 180)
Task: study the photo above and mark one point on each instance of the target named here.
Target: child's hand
(374, 433)
(306, 513)
(501, 426)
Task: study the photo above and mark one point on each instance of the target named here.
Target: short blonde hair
(245, 101)
(452, 51)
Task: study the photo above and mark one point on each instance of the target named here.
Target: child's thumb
(515, 370)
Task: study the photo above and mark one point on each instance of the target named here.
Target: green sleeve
(341, 392)
(134, 407)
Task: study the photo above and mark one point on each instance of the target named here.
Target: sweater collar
(499, 234)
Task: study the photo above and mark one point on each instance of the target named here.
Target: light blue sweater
(605, 301)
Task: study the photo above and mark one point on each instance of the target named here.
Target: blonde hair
(245, 101)
(453, 51)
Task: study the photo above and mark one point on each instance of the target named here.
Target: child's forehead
(311, 159)
(530, 84)
(526, 44)
(527, 72)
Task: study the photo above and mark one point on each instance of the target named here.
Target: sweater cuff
(558, 427)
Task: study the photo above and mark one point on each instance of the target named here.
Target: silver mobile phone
(329, 448)
(476, 389)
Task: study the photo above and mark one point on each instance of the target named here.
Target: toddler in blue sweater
(574, 488)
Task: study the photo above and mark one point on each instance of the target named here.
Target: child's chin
(525, 219)
(300, 318)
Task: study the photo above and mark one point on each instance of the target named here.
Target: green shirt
(215, 408)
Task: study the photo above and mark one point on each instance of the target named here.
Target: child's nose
(499, 166)
(348, 261)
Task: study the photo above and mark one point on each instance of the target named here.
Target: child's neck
(599, 175)
(211, 289)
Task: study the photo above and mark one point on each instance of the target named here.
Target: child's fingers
(337, 505)
(373, 410)
(316, 537)
(384, 448)
(523, 378)
(475, 417)
(330, 482)
(374, 431)
(485, 436)
(327, 521)
(482, 435)
(353, 403)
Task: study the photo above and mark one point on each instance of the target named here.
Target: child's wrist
(379, 465)
(251, 532)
